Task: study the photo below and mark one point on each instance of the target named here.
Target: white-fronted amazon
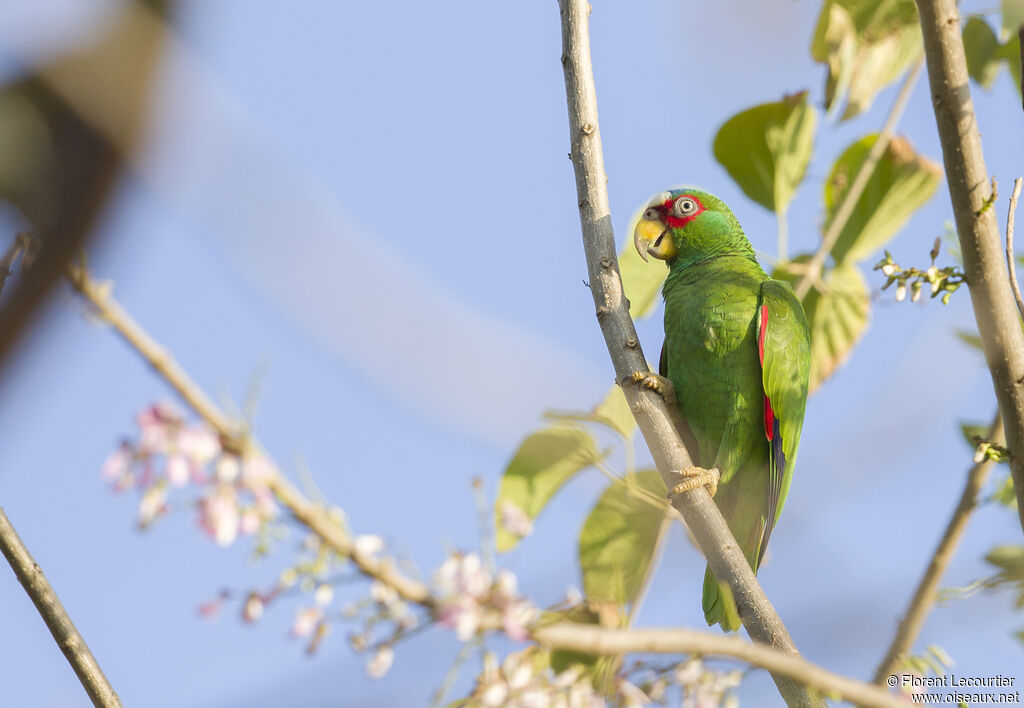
(737, 352)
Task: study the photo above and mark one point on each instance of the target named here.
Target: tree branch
(927, 588)
(1011, 265)
(76, 651)
(994, 309)
(235, 438)
(702, 516)
(591, 639)
(812, 271)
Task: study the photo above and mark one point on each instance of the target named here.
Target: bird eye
(651, 215)
(685, 207)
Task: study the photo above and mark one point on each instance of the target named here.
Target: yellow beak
(655, 238)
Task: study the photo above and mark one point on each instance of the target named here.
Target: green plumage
(715, 296)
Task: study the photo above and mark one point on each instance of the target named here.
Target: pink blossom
(250, 522)
(380, 662)
(252, 610)
(153, 504)
(516, 618)
(306, 621)
(118, 463)
(177, 470)
(228, 469)
(219, 515)
(157, 427)
(513, 519)
(199, 444)
(368, 545)
(463, 614)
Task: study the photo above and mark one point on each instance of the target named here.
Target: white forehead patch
(659, 199)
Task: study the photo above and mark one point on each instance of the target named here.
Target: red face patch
(678, 222)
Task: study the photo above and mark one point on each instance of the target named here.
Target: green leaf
(901, 182)
(1013, 15)
(982, 48)
(544, 462)
(1010, 53)
(1005, 494)
(838, 316)
(613, 412)
(1010, 562)
(619, 538)
(970, 431)
(641, 281)
(969, 338)
(866, 44)
(562, 659)
(765, 149)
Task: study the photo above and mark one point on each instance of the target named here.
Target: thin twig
(980, 241)
(698, 509)
(927, 588)
(317, 518)
(76, 651)
(812, 271)
(1011, 263)
(590, 639)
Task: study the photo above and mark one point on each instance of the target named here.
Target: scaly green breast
(711, 357)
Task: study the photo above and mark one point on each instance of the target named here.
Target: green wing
(784, 345)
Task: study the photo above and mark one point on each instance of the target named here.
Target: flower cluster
(523, 680)
(468, 596)
(942, 282)
(171, 454)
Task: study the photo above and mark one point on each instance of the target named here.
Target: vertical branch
(76, 651)
(702, 516)
(1011, 266)
(998, 320)
(927, 589)
(812, 271)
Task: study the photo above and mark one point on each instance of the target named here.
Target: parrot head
(687, 223)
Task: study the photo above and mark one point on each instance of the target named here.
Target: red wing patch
(769, 414)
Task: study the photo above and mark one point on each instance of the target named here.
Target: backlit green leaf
(838, 316)
(901, 182)
(765, 149)
(619, 538)
(982, 48)
(544, 462)
(866, 44)
(641, 281)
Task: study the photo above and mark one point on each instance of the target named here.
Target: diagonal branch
(702, 516)
(927, 589)
(235, 438)
(812, 271)
(590, 639)
(76, 651)
(988, 282)
(1011, 265)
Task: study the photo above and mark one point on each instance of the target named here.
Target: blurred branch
(76, 651)
(1011, 264)
(590, 639)
(987, 279)
(927, 588)
(812, 270)
(698, 509)
(77, 159)
(17, 247)
(234, 437)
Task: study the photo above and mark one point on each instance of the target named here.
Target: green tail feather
(719, 605)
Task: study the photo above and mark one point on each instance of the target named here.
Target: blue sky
(371, 205)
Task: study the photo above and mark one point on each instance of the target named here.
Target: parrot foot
(694, 477)
(659, 384)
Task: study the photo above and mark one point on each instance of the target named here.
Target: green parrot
(737, 354)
